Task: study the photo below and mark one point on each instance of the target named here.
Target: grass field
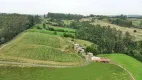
(59, 30)
(131, 64)
(137, 35)
(39, 46)
(67, 22)
(50, 32)
(136, 22)
(94, 71)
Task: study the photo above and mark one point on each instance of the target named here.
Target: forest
(12, 24)
(63, 16)
(108, 40)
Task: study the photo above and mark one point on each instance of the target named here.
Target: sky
(85, 7)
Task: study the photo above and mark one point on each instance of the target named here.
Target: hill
(137, 35)
(39, 47)
(131, 64)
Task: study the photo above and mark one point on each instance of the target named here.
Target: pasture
(131, 64)
(94, 71)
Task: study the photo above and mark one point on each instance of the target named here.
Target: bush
(55, 33)
(51, 29)
(92, 49)
(137, 55)
(61, 30)
(38, 27)
(68, 35)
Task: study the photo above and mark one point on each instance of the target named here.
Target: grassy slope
(39, 46)
(137, 35)
(131, 64)
(95, 71)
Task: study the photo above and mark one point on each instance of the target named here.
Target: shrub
(92, 49)
(51, 29)
(55, 32)
(38, 27)
(68, 35)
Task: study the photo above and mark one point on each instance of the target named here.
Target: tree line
(13, 24)
(63, 16)
(121, 22)
(108, 40)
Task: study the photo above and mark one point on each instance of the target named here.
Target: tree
(44, 16)
(64, 16)
(12, 24)
(92, 49)
(140, 23)
(44, 25)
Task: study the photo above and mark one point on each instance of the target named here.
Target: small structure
(105, 60)
(79, 48)
(96, 59)
(99, 59)
(90, 54)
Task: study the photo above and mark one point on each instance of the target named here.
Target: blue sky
(85, 7)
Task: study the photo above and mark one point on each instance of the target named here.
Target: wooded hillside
(12, 24)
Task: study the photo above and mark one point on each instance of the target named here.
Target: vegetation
(137, 35)
(40, 46)
(137, 23)
(95, 71)
(121, 22)
(131, 64)
(108, 39)
(64, 16)
(50, 42)
(13, 24)
(65, 32)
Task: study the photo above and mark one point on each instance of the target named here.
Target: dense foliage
(108, 39)
(121, 22)
(64, 16)
(12, 24)
(55, 22)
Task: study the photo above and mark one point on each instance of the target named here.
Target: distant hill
(134, 16)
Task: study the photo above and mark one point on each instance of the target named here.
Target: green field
(44, 47)
(131, 64)
(39, 46)
(94, 71)
(136, 22)
(59, 30)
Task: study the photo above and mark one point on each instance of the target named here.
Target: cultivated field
(39, 46)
